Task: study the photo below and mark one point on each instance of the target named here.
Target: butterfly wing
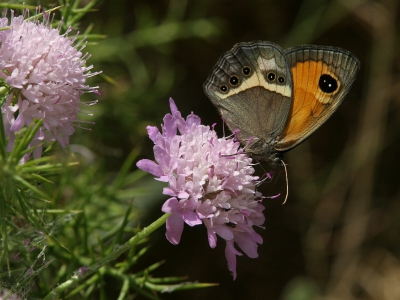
(251, 86)
(322, 77)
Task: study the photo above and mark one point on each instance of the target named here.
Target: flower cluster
(44, 75)
(210, 182)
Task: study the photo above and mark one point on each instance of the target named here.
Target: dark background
(338, 235)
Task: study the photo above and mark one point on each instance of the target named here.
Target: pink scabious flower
(44, 74)
(210, 181)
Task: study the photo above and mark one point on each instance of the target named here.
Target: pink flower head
(210, 182)
(45, 74)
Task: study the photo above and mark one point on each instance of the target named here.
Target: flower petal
(153, 132)
(247, 244)
(18, 124)
(224, 232)
(192, 219)
(149, 166)
(174, 228)
(172, 105)
(212, 238)
(230, 254)
(170, 205)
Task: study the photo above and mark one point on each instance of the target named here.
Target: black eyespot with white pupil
(271, 76)
(327, 83)
(281, 79)
(246, 71)
(224, 89)
(234, 80)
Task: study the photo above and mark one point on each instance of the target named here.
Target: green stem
(118, 250)
(3, 226)
(3, 144)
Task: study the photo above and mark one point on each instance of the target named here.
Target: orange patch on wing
(309, 102)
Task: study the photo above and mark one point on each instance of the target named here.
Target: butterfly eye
(281, 79)
(234, 80)
(271, 76)
(246, 71)
(327, 83)
(224, 89)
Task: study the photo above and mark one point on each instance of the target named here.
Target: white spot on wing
(267, 64)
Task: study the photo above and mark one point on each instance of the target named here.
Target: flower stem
(3, 226)
(2, 140)
(118, 250)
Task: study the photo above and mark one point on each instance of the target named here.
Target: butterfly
(273, 98)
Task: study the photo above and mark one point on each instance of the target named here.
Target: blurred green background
(338, 236)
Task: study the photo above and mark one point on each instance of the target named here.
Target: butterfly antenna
(287, 182)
